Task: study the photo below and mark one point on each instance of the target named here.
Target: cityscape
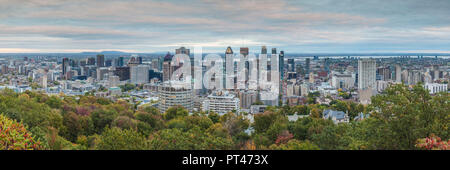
(73, 86)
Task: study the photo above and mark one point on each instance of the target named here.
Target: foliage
(433, 143)
(118, 139)
(14, 136)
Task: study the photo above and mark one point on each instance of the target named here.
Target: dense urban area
(112, 101)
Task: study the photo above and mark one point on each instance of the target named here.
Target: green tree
(118, 139)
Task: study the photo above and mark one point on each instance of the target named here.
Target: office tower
(101, 73)
(139, 60)
(281, 64)
(398, 73)
(366, 73)
(291, 65)
(100, 60)
(108, 63)
(133, 61)
(221, 102)
(264, 50)
(139, 74)
(183, 50)
(65, 65)
(229, 78)
(155, 64)
(167, 69)
(90, 61)
(175, 93)
(123, 73)
(307, 65)
(120, 61)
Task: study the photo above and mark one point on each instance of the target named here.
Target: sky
(300, 26)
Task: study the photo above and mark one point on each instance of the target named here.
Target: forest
(401, 118)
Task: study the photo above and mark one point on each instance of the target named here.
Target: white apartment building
(343, 80)
(175, 93)
(366, 73)
(221, 102)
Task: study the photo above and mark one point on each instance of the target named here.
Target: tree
(433, 143)
(102, 118)
(295, 145)
(14, 136)
(406, 115)
(173, 112)
(118, 139)
(193, 139)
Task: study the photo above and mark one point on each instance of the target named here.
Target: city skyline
(380, 26)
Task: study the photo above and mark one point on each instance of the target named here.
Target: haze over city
(326, 26)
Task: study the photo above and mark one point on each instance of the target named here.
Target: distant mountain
(106, 53)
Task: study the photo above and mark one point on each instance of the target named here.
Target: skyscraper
(229, 69)
(65, 65)
(366, 73)
(90, 61)
(281, 64)
(120, 61)
(264, 50)
(183, 50)
(123, 73)
(139, 74)
(291, 64)
(307, 65)
(139, 59)
(398, 73)
(167, 69)
(100, 60)
(244, 51)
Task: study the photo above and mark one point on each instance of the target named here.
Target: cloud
(145, 26)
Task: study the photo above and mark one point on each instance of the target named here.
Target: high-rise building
(101, 73)
(90, 61)
(281, 64)
(139, 74)
(307, 65)
(398, 73)
(263, 50)
(229, 73)
(123, 73)
(291, 65)
(139, 59)
(175, 93)
(183, 50)
(167, 68)
(366, 73)
(100, 60)
(244, 51)
(108, 63)
(155, 64)
(65, 65)
(120, 61)
(221, 102)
